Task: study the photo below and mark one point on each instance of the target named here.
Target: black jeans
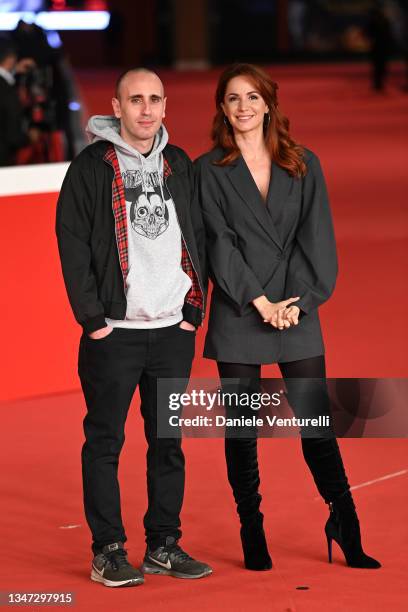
(321, 454)
(110, 369)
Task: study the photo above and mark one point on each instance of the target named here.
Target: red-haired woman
(272, 259)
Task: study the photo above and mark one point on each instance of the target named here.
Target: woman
(272, 257)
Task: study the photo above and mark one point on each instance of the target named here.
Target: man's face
(9, 62)
(140, 106)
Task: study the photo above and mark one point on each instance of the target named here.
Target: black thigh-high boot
(243, 475)
(309, 398)
(242, 466)
(323, 457)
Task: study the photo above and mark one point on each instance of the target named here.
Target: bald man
(131, 245)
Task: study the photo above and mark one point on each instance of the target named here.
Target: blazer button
(280, 256)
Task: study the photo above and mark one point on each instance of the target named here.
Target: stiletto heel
(329, 547)
(344, 528)
(326, 465)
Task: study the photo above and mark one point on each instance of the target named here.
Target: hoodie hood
(107, 127)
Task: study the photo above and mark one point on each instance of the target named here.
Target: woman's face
(243, 105)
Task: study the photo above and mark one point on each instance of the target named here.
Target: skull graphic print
(149, 215)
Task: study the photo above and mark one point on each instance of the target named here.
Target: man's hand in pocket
(187, 326)
(101, 333)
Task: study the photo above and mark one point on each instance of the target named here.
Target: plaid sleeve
(119, 211)
(194, 295)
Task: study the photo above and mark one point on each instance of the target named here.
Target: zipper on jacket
(185, 242)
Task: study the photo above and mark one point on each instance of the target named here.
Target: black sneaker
(171, 560)
(112, 568)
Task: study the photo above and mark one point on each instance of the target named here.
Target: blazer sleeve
(312, 268)
(73, 229)
(227, 267)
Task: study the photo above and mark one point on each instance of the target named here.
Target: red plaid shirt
(194, 295)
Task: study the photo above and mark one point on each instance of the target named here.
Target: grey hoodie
(156, 284)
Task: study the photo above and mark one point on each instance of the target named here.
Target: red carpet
(360, 139)
(41, 487)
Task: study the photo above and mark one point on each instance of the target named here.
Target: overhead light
(58, 20)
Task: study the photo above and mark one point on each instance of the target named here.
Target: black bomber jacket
(90, 223)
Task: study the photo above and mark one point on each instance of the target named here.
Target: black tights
(321, 454)
(313, 367)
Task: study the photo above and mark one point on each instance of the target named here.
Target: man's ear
(116, 108)
(164, 107)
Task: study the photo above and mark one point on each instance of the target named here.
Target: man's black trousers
(110, 369)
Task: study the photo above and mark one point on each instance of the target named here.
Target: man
(129, 236)
(12, 133)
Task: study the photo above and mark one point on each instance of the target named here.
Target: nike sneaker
(112, 568)
(171, 560)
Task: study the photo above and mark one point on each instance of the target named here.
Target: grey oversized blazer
(284, 248)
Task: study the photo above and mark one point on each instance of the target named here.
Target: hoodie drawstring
(142, 158)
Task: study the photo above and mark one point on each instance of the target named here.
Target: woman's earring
(227, 123)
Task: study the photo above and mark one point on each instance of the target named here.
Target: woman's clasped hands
(280, 315)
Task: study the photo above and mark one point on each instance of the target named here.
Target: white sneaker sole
(115, 583)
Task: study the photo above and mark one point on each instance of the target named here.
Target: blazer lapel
(245, 186)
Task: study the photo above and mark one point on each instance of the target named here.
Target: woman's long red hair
(284, 151)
